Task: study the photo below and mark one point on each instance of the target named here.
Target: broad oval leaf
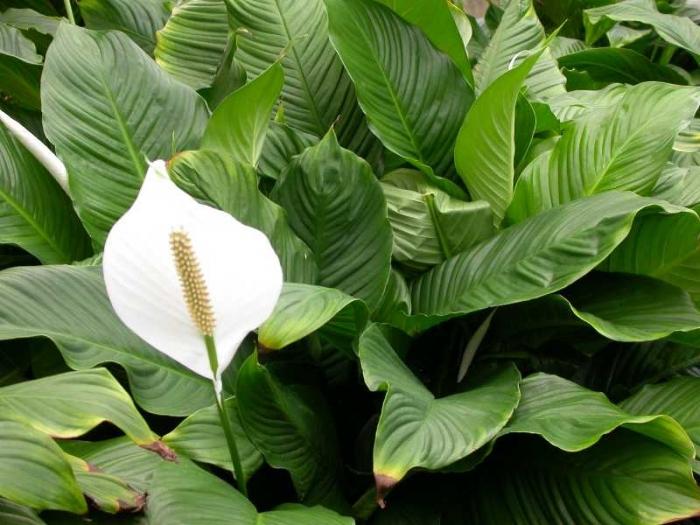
(103, 127)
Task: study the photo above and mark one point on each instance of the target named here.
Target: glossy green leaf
(26, 19)
(676, 30)
(20, 67)
(103, 127)
(538, 256)
(573, 418)
(435, 19)
(282, 142)
(14, 514)
(35, 213)
(485, 148)
(183, 494)
(676, 398)
(317, 90)
(46, 301)
(27, 457)
(201, 437)
(517, 35)
(336, 206)
(192, 44)
(232, 187)
(413, 95)
(291, 426)
(680, 186)
(417, 430)
(629, 156)
(140, 19)
(302, 309)
(428, 224)
(239, 124)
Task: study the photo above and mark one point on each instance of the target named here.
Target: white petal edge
(242, 272)
(37, 148)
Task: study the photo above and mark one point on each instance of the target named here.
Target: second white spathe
(241, 271)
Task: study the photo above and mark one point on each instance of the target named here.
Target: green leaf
(317, 90)
(302, 309)
(574, 418)
(676, 398)
(630, 156)
(485, 148)
(428, 224)
(679, 186)
(184, 494)
(192, 44)
(417, 430)
(414, 96)
(200, 437)
(518, 33)
(35, 213)
(629, 308)
(104, 128)
(291, 426)
(626, 479)
(46, 301)
(281, 144)
(541, 255)
(607, 65)
(676, 30)
(20, 67)
(26, 19)
(108, 493)
(71, 404)
(14, 514)
(435, 19)
(34, 471)
(239, 124)
(140, 19)
(232, 187)
(336, 206)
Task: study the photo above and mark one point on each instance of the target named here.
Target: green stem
(364, 507)
(224, 417)
(667, 55)
(69, 11)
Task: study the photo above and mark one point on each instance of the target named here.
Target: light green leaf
(571, 105)
(676, 30)
(232, 187)
(302, 309)
(26, 19)
(336, 206)
(192, 44)
(71, 404)
(629, 308)
(573, 418)
(103, 127)
(629, 156)
(626, 479)
(485, 148)
(435, 19)
(184, 494)
(201, 437)
(680, 186)
(34, 471)
(35, 213)
(518, 33)
(621, 36)
(20, 67)
(239, 124)
(317, 89)
(538, 256)
(46, 301)
(291, 426)
(140, 19)
(677, 398)
(414, 97)
(417, 430)
(688, 140)
(108, 493)
(429, 225)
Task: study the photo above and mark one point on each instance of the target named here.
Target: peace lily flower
(190, 280)
(38, 149)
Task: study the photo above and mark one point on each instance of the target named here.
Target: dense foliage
(489, 239)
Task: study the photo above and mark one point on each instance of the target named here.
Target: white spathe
(38, 149)
(241, 271)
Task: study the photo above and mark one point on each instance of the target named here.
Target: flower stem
(224, 417)
(69, 11)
